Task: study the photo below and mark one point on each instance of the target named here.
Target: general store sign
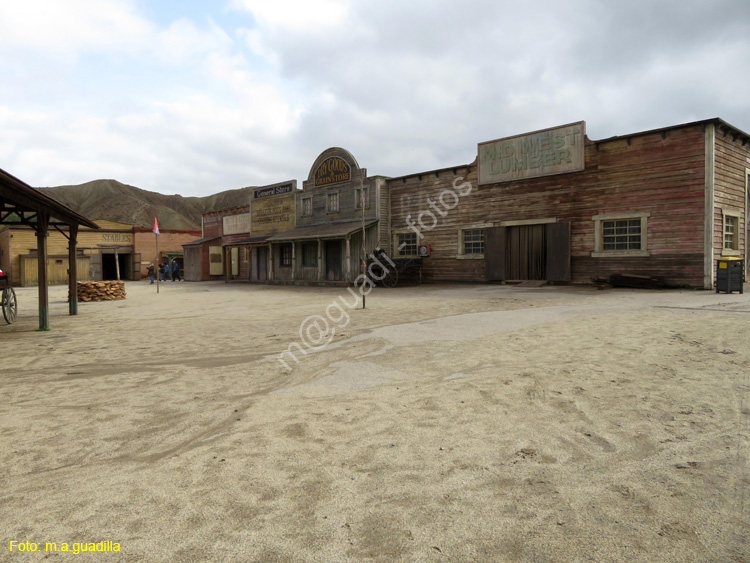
(273, 190)
(543, 153)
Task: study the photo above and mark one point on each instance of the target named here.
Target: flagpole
(156, 240)
(158, 277)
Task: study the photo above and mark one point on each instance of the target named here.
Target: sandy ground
(442, 423)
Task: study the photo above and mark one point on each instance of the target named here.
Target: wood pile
(101, 291)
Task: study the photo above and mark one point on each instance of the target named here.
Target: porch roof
(196, 242)
(328, 230)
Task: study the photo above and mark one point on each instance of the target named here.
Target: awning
(328, 230)
(200, 241)
(251, 240)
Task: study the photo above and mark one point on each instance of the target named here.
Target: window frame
(283, 255)
(358, 199)
(462, 254)
(314, 246)
(304, 201)
(328, 202)
(397, 252)
(599, 251)
(736, 216)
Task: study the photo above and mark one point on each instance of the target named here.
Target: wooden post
(117, 264)
(364, 252)
(73, 271)
(321, 277)
(294, 259)
(42, 225)
(348, 260)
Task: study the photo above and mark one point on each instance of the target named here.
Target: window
(473, 241)
(286, 255)
(358, 198)
(406, 244)
(620, 234)
(333, 202)
(309, 254)
(306, 206)
(731, 232)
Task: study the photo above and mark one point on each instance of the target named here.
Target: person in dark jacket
(175, 270)
(151, 272)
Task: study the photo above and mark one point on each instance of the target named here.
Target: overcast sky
(200, 96)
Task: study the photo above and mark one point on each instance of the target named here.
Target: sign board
(273, 190)
(116, 238)
(236, 224)
(558, 150)
(272, 209)
(332, 171)
(215, 260)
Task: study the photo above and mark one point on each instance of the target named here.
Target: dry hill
(111, 200)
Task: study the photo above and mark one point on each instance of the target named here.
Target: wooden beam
(73, 271)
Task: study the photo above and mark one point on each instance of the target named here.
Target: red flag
(156, 227)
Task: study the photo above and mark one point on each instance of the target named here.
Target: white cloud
(67, 28)
(310, 16)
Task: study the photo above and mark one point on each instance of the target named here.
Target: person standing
(175, 270)
(151, 272)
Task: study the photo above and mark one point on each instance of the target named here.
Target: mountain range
(114, 201)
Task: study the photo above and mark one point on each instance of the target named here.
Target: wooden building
(102, 253)
(555, 205)
(115, 251)
(325, 247)
(234, 242)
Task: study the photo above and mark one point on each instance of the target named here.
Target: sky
(201, 96)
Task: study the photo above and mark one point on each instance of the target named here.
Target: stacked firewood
(101, 290)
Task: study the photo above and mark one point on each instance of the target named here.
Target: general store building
(337, 202)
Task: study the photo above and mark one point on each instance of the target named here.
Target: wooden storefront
(554, 205)
(325, 247)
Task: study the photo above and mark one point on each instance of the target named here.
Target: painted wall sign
(236, 224)
(273, 190)
(543, 153)
(273, 215)
(117, 238)
(332, 171)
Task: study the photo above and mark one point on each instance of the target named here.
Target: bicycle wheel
(10, 305)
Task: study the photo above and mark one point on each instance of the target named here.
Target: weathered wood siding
(659, 174)
(732, 162)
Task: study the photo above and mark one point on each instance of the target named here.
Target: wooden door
(95, 267)
(262, 254)
(494, 253)
(558, 251)
(334, 271)
(525, 252)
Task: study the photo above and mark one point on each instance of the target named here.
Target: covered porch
(329, 254)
